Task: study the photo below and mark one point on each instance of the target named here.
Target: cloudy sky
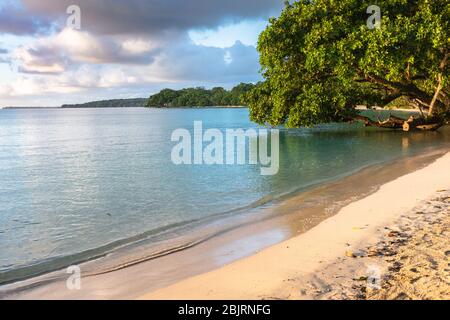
(125, 49)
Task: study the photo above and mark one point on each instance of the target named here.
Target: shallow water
(75, 182)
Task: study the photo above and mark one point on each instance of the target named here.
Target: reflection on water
(76, 180)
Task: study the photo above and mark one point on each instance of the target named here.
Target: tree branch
(436, 95)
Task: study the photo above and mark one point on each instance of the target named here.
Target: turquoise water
(73, 182)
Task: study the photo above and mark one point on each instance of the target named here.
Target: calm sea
(74, 182)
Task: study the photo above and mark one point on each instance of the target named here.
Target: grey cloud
(19, 22)
(163, 22)
(114, 17)
(52, 56)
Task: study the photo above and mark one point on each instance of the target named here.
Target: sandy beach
(392, 244)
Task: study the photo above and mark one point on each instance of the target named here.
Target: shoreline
(223, 249)
(325, 257)
(133, 107)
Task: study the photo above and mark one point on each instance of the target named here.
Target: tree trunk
(409, 124)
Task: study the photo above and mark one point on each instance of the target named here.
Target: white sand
(269, 273)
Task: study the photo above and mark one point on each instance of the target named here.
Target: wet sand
(134, 272)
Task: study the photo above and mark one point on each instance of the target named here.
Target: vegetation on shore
(320, 60)
(200, 97)
(116, 103)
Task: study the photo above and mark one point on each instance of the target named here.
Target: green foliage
(320, 60)
(199, 97)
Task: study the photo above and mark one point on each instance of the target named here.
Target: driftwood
(394, 122)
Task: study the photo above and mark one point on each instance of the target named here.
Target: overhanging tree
(320, 61)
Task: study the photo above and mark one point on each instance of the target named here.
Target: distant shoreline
(27, 108)
(86, 106)
(106, 107)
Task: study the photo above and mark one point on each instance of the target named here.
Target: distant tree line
(200, 97)
(116, 103)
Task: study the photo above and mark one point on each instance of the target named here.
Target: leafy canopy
(320, 60)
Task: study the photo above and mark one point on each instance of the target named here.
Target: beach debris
(373, 252)
(386, 251)
(402, 296)
(393, 234)
(396, 266)
(362, 278)
(352, 254)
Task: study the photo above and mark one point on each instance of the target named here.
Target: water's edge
(122, 253)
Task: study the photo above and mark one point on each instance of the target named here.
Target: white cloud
(67, 63)
(5, 90)
(137, 46)
(56, 53)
